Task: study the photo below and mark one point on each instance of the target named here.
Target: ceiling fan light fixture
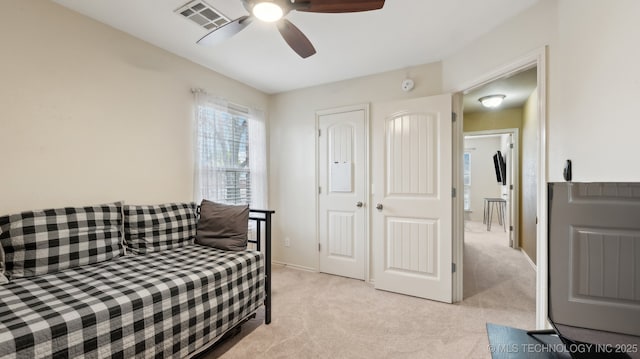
(267, 11)
(491, 101)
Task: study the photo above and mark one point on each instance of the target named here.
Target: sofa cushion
(223, 226)
(46, 241)
(161, 305)
(159, 227)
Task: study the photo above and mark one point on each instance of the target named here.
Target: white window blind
(228, 169)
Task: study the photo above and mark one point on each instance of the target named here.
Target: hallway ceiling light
(492, 101)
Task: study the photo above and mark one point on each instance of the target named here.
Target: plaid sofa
(73, 286)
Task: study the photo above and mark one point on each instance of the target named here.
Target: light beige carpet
(323, 316)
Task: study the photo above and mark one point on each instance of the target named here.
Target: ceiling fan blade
(296, 39)
(338, 6)
(247, 5)
(226, 31)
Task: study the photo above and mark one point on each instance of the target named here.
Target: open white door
(411, 193)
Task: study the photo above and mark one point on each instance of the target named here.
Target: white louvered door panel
(412, 182)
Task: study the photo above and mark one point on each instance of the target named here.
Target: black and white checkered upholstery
(46, 241)
(163, 304)
(3, 279)
(159, 227)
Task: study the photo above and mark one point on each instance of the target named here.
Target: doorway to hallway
(493, 150)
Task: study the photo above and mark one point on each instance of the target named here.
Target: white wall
(593, 80)
(292, 191)
(530, 30)
(89, 114)
(483, 175)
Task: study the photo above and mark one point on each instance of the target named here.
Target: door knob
(359, 204)
(379, 206)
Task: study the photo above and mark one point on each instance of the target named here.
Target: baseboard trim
(295, 266)
(535, 267)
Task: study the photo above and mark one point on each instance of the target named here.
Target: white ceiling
(404, 33)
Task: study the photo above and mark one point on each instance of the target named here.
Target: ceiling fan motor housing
(285, 5)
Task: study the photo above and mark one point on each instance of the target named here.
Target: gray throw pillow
(223, 226)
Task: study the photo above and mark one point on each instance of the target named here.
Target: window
(230, 153)
(466, 170)
(224, 161)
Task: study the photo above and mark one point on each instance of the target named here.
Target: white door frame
(367, 240)
(514, 195)
(537, 58)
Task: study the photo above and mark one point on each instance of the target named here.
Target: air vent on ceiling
(203, 14)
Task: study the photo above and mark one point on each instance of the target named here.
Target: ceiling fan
(275, 10)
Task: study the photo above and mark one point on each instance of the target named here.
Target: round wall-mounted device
(407, 85)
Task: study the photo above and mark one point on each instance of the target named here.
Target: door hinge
(510, 228)
(319, 132)
(454, 117)
(453, 192)
(318, 247)
(511, 145)
(511, 187)
(319, 190)
(453, 267)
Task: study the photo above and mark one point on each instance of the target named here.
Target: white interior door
(411, 193)
(342, 173)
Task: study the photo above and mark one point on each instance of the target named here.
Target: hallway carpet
(323, 316)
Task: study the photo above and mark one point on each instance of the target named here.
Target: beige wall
(493, 120)
(89, 114)
(293, 135)
(529, 168)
